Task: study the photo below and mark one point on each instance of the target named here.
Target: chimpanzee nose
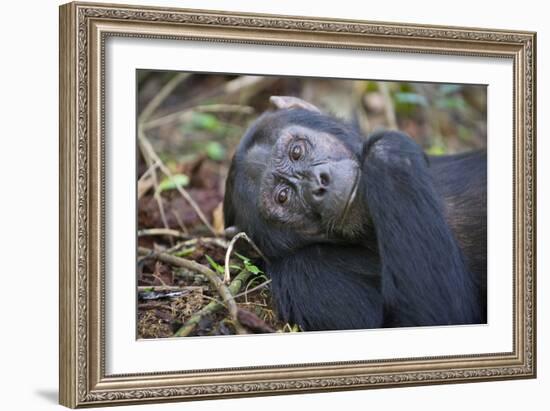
(320, 180)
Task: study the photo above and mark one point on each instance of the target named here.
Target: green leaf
(404, 87)
(243, 258)
(204, 121)
(371, 86)
(248, 264)
(410, 98)
(450, 88)
(215, 151)
(185, 252)
(176, 180)
(450, 103)
(436, 150)
(252, 268)
(214, 264)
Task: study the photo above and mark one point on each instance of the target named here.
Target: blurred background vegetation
(188, 127)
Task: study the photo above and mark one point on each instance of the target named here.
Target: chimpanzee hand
(393, 152)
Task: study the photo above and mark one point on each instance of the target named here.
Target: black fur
(328, 287)
(420, 258)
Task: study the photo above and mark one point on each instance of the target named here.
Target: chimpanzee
(360, 232)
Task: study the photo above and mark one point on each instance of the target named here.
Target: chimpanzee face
(309, 182)
(295, 180)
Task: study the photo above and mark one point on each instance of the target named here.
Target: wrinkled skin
(360, 232)
(311, 182)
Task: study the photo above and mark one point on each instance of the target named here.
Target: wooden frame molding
(83, 30)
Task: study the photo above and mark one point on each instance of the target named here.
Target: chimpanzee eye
(296, 152)
(282, 195)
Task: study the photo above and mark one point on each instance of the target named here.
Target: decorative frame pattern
(83, 30)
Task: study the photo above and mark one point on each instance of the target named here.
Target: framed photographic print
(257, 204)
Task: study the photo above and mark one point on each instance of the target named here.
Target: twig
(254, 304)
(164, 92)
(194, 241)
(151, 163)
(242, 234)
(151, 156)
(148, 172)
(247, 291)
(221, 288)
(389, 109)
(180, 222)
(360, 112)
(158, 276)
(148, 150)
(207, 297)
(162, 231)
(254, 323)
(160, 203)
(144, 185)
(242, 87)
(187, 113)
(190, 276)
(146, 288)
(145, 182)
(214, 306)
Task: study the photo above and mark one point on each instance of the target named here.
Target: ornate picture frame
(84, 29)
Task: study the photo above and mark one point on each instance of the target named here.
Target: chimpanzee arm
(327, 287)
(424, 276)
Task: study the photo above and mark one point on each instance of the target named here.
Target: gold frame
(83, 30)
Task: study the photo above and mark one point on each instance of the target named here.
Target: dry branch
(217, 283)
(242, 234)
(162, 231)
(152, 168)
(146, 182)
(194, 241)
(146, 288)
(247, 291)
(390, 109)
(153, 160)
(214, 306)
(149, 152)
(240, 88)
(187, 114)
(164, 92)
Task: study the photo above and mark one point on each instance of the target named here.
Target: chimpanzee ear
(282, 102)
